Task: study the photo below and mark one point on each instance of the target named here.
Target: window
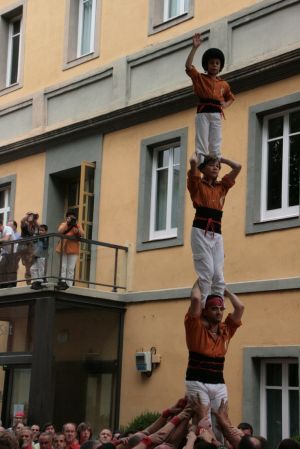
(279, 399)
(4, 204)
(174, 8)
(280, 165)
(86, 27)
(274, 165)
(82, 30)
(11, 48)
(13, 51)
(164, 14)
(162, 190)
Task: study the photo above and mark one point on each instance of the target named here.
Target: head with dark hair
(249, 442)
(289, 443)
(84, 432)
(72, 213)
(209, 160)
(213, 53)
(8, 441)
(202, 444)
(246, 428)
(108, 446)
(48, 427)
(90, 444)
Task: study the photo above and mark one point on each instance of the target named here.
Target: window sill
(167, 242)
(273, 225)
(80, 60)
(11, 88)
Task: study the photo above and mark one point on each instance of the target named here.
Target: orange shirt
(200, 340)
(208, 87)
(208, 195)
(69, 246)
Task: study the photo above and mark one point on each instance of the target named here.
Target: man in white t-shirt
(6, 256)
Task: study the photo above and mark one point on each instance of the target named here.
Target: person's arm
(195, 307)
(238, 306)
(231, 433)
(167, 413)
(227, 103)
(235, 167)
(196, 43)
(161, 435)
(62, 227)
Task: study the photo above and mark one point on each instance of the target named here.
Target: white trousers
(208, 135)
(208, 256)
(209, 394)
(68, 264)
(37, 269)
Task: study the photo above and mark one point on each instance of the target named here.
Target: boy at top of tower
(213, 94)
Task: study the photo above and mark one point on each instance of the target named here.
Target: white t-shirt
(7, 230)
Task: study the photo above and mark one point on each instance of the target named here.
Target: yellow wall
(246, 257)
(160, 324)
(123, 30)
(30, 172)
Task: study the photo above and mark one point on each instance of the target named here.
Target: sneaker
(36, 285)
(62, 285)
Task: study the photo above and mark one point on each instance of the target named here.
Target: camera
(35, 216)
(73, 221)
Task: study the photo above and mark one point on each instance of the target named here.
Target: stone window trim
(143, 225)
(252, 357)
(7, 14)
(10, 182)
(254, 224)
(70, 58)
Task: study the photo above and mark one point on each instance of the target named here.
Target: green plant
(296, 437)
(140, 422)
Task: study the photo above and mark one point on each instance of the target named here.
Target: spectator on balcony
(39, 267)
(69, 248)
(15, 257)
(29, 228)
(7, 275)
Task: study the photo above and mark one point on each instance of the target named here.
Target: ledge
(258, 74)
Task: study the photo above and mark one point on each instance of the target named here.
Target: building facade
(96, 112)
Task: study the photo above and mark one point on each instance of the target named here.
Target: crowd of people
(184, 425)
(21, 247)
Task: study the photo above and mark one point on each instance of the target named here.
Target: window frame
(284, 388)
(146, 240)
(80, 28)
(285, 211)
(6, 209)
(254, 221)
(182, 8)
(168, 232)
(9, 65)
(8, 183)
(159, 20)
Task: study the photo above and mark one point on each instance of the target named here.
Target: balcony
(41, 261)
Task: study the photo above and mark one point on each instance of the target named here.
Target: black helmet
(213, 53)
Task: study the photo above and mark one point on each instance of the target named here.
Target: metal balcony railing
(62, 260)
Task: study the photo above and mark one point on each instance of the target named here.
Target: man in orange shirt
(213, 94)
(207, 339)
(208, 197)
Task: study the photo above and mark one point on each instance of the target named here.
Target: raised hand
(197, 41)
